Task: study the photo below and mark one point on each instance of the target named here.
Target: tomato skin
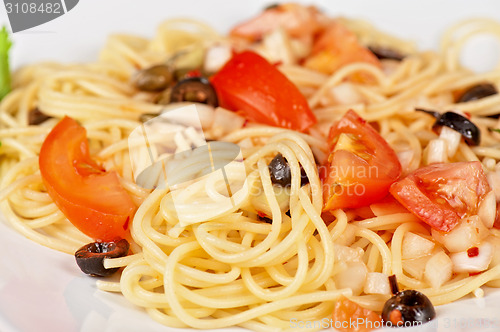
(92, 199)
(249, 83)
(442, 194)
(346, 312)
(356, 178)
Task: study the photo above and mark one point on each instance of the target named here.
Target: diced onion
(487, 209)
(436, 152)
(494, 182)
(216, 56)
(346, 94)
(405, 157)
(278, 47)
(348, 254)
(353, 277)
(452, 139)
(416, 267)
(463, 263)
(438, 269)
(468, 233)
(415, 246)
(377, 283)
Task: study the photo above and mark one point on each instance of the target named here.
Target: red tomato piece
(350, 317)
(92, 199)
(361, 166)
(336, 47)
(249, 83)
(297, 20)
(441, 194)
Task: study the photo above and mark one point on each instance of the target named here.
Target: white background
(42, 290)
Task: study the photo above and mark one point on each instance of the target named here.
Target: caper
(155, 78)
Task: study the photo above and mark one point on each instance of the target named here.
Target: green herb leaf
(494, 129)
(5, 44)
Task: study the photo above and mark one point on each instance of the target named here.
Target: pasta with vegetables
(366, 171)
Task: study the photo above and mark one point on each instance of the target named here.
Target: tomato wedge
(249, 83)
(361, 166)
(350, 317)
(335, 47)
(441, 194)
(92, 199)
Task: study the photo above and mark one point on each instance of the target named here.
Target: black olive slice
(478, 92)
(35, 117)
(461, 124)
(386, 53)
(90, 257)
(457, 122)
(195, 89)
(406, 307)
(280, 172)
(155, 78)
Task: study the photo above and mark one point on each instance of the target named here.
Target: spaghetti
(235, 269)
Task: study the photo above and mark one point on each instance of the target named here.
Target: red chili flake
(473, 252)
(277, 63)
(471, 274)
(468, 115)
(262, 214)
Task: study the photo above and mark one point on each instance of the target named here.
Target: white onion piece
(405, 157)
(348, 254)
(353, 277)
(346, 94)
(463, 263)
(216, 56)
(416, 267)
(438, 269)
(226, 121)
(452, 139)
(468, 233)
(436, 152)
(488, 209)
(377, 283)
(494, 182)
(278, 47)
(415, 246)
(300, 47)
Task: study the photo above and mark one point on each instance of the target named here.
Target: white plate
(43, 290)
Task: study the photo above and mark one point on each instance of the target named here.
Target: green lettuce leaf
(5, 44)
